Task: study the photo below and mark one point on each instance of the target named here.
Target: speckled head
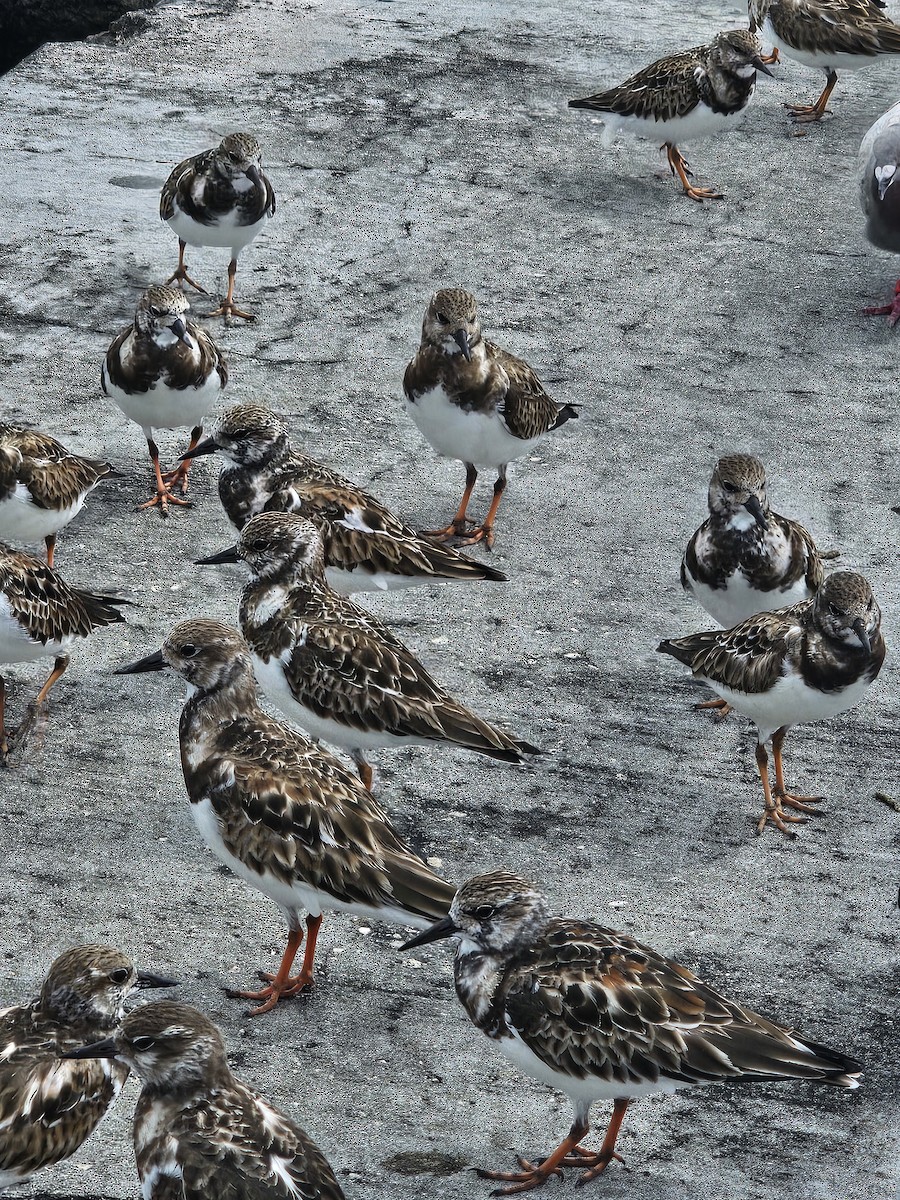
(249, 435)
(272, 541)
(170, 1045)
(163, 310)
(239, 154)
(91, 983)
(451, 322)
(847, 611)
(886, 166)
(208, 654)
(738, 51)
(737, 491)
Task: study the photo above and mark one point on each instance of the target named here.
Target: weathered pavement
(411, 148)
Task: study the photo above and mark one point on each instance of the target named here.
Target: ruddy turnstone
(333, 667)
(42, 615)
(164, 372)
(43, 486)
(199, 1132)
(285, 816)
(475, 402)
(367, 548)
(694, 94)
(827, 35)
(218, 198)
(48, 1107)
(804, 663)
(879, 171)
(599, 1016)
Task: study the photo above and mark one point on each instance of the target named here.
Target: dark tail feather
(518, 755)
(104, 610)
(677, 650)
(566, 413)
(584, 102)
(846, 1071)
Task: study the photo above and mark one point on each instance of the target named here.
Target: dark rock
(27, 24)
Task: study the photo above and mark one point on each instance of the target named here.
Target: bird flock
(585, 1009)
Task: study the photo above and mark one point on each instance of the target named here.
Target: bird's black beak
(761, 66)
(252, 173)
(444, 928)
(859, 628)
(884, 182)
(179, 328)
(105, 1049)
(153, 662)
(207, 446)
(461, 337)
(754, 507)
(146, 979)
(223, 556)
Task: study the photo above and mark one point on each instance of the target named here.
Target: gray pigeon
(879, 194)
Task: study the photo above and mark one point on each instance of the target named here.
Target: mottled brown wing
(245, 1150)
(804, 552)
(589, 1001)
(45, 605)
(835, 26)
(526, 408)
(179, 182)
(748, 658)
(32, 443)
(666, 89)
(59, 484)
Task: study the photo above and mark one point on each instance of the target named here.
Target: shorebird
(475, 402)
(879, 172)
(599, 1016)
(283, 815)
(199, 1132)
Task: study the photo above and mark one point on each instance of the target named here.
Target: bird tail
(567, 412)
(684, 649)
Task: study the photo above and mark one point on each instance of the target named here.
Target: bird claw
(531, 1176)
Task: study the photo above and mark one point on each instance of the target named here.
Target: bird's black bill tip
(755, 509)
(222, 556)
(153, 662)
(104, 1049)
(207, 446)
(180, 330)
(444, 928)
(859, 628)
(147, 979)
(764, 67)
(461, 337)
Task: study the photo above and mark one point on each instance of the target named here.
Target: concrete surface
(413, 146)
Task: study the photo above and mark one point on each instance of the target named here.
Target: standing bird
(367, 548)
(218, 198)
(879, 171)
(41, 616)
(283, 815)
(333, 667)
(475, 402)
(164, 372)
(48, 1105)
(807, 662)
(199, 1132)
(43, 486)
(599, 1016)
(694, 94)
(827, 35)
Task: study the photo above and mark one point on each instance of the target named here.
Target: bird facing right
(599, 1016)
(200, 1133)
(879, 195)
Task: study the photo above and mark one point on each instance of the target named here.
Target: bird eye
(154, 311)
(871, 604)
(119, 976)
(729, 487)
(189, 650)
(443, 320)
(142, 1043)
(834, 610)
(484, 912)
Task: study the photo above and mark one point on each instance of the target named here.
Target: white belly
(477, 438)
(818, 60)
(790, 702)
(738, 600)
(297, 895)
(226, 232)
(15, 644)
(162, 407)
(702, 122)
(21, 520)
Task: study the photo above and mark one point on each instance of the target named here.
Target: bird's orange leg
(26, 725)
(803, 114)
(769, 59)
(596, 1163)
(364, 770)
(773, 810)
(485, 533)
(532, 1175)
(50, 543)
(891, 311)
(180, 275)
(4, 743)
(720, 707)
(163, 496)
(228, 308)
(804, 804)
(457, 527)
(282, 985)
(680, 167)
(180, 474)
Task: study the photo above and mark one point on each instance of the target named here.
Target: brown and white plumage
(827, 35)
(367, 548)
(807, 662)
(218, 198)
(48, 1106)
(200, 1133)
(692, 94)
(475, 402)
(43, 486)
(285, 816)
(41, 615)
(599, 1016)
(333, 667)
(164, 372)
